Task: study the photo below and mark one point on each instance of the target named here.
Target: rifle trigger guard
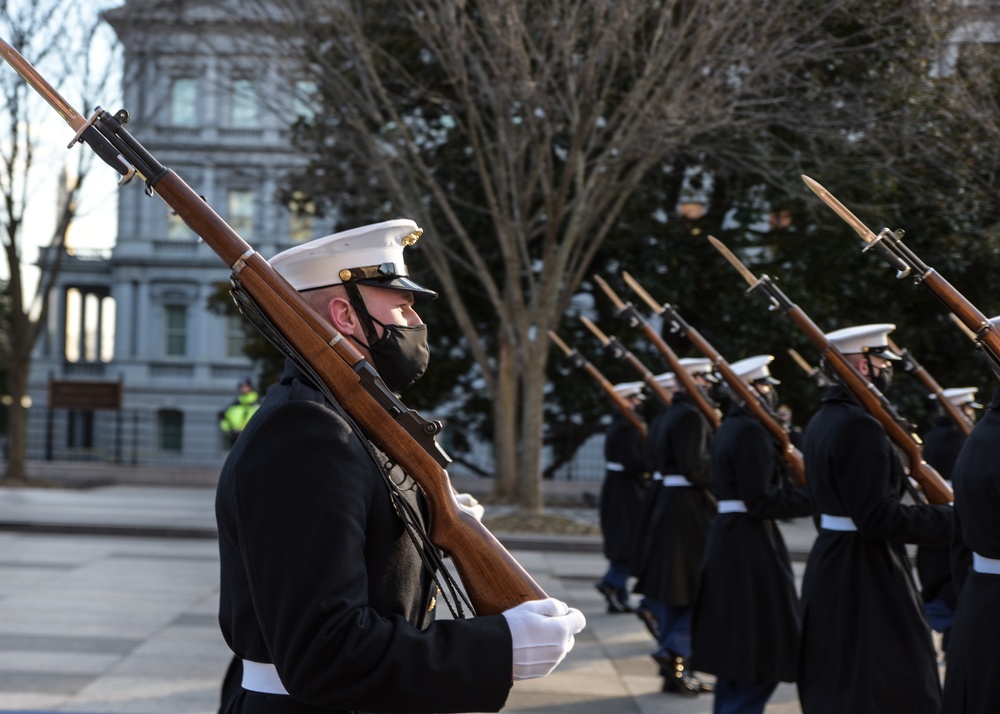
(241, 262)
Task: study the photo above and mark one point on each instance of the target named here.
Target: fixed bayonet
(889, 244)
(619, 351)
(874, 402)
(628, 311)
(742, 392)
(637, 422)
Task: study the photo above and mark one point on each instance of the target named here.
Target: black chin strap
(358, 303)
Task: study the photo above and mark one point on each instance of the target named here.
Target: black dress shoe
(616, 605)
(677, 679)
(649, 620)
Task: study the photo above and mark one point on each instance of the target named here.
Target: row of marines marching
(691, 505)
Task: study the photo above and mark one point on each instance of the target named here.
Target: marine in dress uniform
(866, 646)
(678, 527)
(942, 443)
(648, 611)
(971, 685)
(624, 485)
(325, 598)
(745, 619)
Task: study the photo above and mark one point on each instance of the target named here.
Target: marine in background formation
(866, 646)
(670, 552)
(745, 619)
(971, 684)
(622, 491)
(942, 444)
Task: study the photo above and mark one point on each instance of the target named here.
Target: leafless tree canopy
(561, 110)
(57, 38)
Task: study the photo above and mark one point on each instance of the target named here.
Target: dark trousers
(741, 697)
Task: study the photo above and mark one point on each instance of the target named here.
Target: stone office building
(200, 86)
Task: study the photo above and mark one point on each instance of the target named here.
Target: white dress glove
(470, 505)
(542, 632)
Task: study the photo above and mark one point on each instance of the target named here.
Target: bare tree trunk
(505, 415)
(533, 379)
(17, 427)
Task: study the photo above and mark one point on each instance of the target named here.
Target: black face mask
(401, 355)
(770, 398)
(882, 380)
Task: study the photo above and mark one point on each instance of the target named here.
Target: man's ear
(862, 364)
(343, 317)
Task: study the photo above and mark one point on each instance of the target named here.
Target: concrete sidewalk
(108, 601)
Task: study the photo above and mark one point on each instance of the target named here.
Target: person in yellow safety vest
(237, 414)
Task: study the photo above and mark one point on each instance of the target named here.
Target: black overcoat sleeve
(690, 439)
(871, 498)
(764, 492)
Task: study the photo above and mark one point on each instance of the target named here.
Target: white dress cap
(864, 338)
(697, 365)
(372, 255)
(667, 380)
(629, 389)
(960, 396)
(754, 369)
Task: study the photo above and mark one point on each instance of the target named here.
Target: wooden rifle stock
(637, 422)
(889, 244)
(910, 364)
(632, 316)
(493, 580)
(621, 352)
(935, 489)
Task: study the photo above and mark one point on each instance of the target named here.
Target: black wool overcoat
(866, 647)
(319, 578)
(971, 684)
(674, 541)
(622, 490)
(745, 621)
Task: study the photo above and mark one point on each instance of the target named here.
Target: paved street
(126, 623)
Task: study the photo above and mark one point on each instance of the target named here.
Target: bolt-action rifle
(742, 391)
(889, 244)
(910, 364)
(619, 351)
(627, 311)
(494, 581)
(637, 422)
(934, 488)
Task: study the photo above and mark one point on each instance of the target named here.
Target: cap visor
(400, 282)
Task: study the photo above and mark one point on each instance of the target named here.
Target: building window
(243, 108)
(175, 333)
(90, 326)
(302, 216)
(184, 101)
(170, 423)
(304, 103)
(241, 213)
(236, 335)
